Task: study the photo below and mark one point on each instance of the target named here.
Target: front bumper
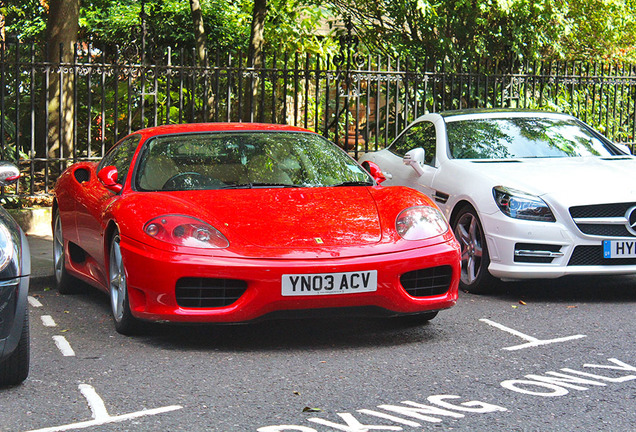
(153, 275)
(13, 310)
(559, 250)
(14, 291)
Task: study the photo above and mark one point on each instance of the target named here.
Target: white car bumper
(529, 250)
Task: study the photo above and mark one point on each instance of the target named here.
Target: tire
(65, 283)
(15, 368)
(475, 259)
(125, 322)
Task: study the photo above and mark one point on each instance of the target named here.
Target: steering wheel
(185, 181)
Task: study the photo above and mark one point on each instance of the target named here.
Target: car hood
(580, 180)
(285, 217)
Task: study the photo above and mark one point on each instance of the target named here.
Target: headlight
(520, 205)
(185, 231)
(419, 223)
(6, 247)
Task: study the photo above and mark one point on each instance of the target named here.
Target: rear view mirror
(108, 176)
(415, 158)
(9, 173)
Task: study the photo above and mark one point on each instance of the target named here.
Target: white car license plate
(619, 248)
(329, 283)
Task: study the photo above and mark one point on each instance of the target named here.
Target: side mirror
(108, 176)
(415, 158)
(375, 171)
(9, 173)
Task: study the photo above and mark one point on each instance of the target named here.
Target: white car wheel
(474, 252)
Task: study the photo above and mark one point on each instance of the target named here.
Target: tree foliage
(290, 24)
(465, 30)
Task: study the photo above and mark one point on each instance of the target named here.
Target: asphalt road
(541, 356)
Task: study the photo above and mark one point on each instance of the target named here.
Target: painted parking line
(532, 341)
(100, 414)
(48, 321)
(34, 302)
(64, 346)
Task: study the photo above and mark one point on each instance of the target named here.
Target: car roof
(217, 127)
(499, 113)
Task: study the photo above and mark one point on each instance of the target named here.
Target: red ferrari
(233, 222)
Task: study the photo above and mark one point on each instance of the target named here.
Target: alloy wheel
(469, 234)
(117, 281)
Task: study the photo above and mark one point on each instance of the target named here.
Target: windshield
(245, 160)
(523, 137)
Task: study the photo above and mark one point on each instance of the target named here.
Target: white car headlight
(421, 222)
(6, 247)
(521, 205)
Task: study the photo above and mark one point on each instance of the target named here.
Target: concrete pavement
(41, 258)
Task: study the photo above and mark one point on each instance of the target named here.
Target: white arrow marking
(532, 341)
(100, 415)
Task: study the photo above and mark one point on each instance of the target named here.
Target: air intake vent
(536, 253)
(82, 175)
(427, 282)
(208, 292)
(593, 256)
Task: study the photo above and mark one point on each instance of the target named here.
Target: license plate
(329, 283)
(619, 248)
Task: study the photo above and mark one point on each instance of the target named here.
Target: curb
(33, 220)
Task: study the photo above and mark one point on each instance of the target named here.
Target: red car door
(93, 202)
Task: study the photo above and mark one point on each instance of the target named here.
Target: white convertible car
(528, 194)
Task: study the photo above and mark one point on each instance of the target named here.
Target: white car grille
(606, 220)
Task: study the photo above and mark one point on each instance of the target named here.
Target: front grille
(604, 230)
(601, 210)
(427, 282)
(208, 292)
(615, 210)
(593, 256)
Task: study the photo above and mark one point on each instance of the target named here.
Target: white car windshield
(223, 160)
(523, 137)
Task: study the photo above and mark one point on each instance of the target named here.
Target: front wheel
(66, 284)
(125, 322)
(469, 232)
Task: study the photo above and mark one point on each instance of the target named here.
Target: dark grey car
(15, 268)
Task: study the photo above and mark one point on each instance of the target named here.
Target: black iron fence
(56, 113)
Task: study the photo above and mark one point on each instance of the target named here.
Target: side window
(419, 135)
(121, 156)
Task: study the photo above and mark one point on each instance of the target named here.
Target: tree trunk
(200, 41)
(256, 36)
(199, 30)
(2, 25)
(61, 33)
(255, 55)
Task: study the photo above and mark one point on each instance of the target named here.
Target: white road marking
(34, 302)
(95, 403)
(101, 416)
(532, 341)
(64, 346)
(48, 321)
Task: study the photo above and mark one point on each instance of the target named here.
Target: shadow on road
(589, 289)
(268, 335)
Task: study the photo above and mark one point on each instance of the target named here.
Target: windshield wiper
(354, 183)
(236, 186)
(280, 185)
(258, 185)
